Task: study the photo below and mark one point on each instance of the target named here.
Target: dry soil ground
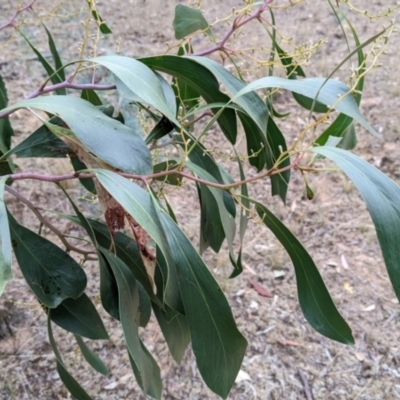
(284, 352)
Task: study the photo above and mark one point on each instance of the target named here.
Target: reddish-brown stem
(237, 23)
(62, 85)
(75, 175)
(10, 22)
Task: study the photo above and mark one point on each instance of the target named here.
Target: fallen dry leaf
(347, 287)
(344, 262)
(242, 376)
(260, 289)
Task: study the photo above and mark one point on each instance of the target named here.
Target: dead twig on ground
(306, 385)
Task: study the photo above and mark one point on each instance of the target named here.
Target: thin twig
(306, 385)
(161, 145)
(205, 114)
(227, 186)
(10, 22)
(237, 23)
(67, 84)
(49, 225)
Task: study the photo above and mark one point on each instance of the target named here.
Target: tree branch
(10, 22)
(237, 23)
(49, 225)
(227, 186)
(62, 85)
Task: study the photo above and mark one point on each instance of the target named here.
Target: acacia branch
(45, 222)
(10, 22)
(223, 186)
(62, 85)
(238, 22)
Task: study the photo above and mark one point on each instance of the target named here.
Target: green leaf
(277, 145)
(381, 196)
(200, 80)
(129, 312)
(41, 143)
(292, 72)
(51, 273)
(186, 96)
(176, 332)
(189, 20)
(257, 146)
(250, 102)
(328, 92)
(264, 149)
(78, 165)
(226, 218)
(69, 381)
(217, 344)
(104, 29)
(5, 242)
(343, 123)
(79, 316)
(55, 76)
(140, 80)
(168, 165)
(56, 57)
(164, 127)
(91, 96)
(91, 357)
(137, 203)
(126, 249)
(315, 301)
(244, 218)
(349, 138)
(6, 132)
(155, 389)
(108, 288)
(211, 230)
(108, 284)
(126, 151)
(169, 93)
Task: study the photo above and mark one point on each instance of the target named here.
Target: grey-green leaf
(251, 102)
(137, 203)
(69, 381)
(218, 345)
(54, 76)
(381, 196)
(79, 316)
(139, 79)
(91, 357)
(129, 312)
(176, 332)
(328, 92)
(5, 242)
(124, 149)
(315, 301)
(202, 82)
(227, 220)
(189, 20)
(52, 274)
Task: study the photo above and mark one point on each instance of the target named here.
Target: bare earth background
(335, 227)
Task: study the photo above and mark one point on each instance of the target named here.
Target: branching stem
(10, 22)
(227, 186)
(237, 23)
(45, 222)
